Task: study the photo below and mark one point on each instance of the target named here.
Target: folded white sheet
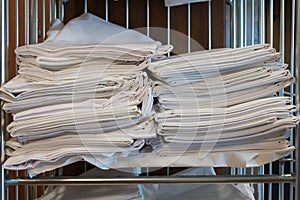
(89, 36)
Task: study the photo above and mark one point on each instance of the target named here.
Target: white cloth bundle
(91, 37)
(150, 191)
(40, 94)
(189, 68)
(219, 92)
(120, 111)
(221, 101)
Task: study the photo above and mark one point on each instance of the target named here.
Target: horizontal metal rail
(287, 178)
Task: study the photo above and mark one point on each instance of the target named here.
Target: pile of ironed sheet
(222, 101)
(105, 102)
(74, 96)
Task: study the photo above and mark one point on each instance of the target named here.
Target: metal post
(2, 63)
(148, 18)
(4, 77)
(106, 10)
(44, 20)
(252, 22)
(17, 26)
(297, 74)
(52, 11)
(85, 6)
(242, 23)
(26, 18)
(17, 44)
(127, 14)
(60, 10)
(169, 26)
(209, 25)
(33, 22)
(262, 21)
(282, 25)
(292, 69)
(245, 22)
(189, 28)
(234, 21)
(282, 50)
(271, 21)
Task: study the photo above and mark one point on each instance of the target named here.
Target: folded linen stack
(222, 101)
(80, 98)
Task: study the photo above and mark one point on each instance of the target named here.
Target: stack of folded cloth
(90, 92)
(222, 101)
(81, 92)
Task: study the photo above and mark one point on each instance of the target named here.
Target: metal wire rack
(246, 22)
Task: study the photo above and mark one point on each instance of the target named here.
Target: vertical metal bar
(297, 74)
(282, 36)
(292, 55)
(271, 17)
(169, 26)
(106, 10)
(262, 21)
(232, 171)
(242, 17)
(53, 14)
(261, 185)
(17, 22)
(228, 26)
(168, 171)
(148, 18)
(85, 6)
(282, 25)
(246, 23)
(189, 27)
(270, 184)
(147, 171)
(234, 45)
(26, 18)
(281, 186)
(271, 21)
(2, 186)
(209, 25)
(3, 57)
(50, 11)
(17, 30)
(44, 20)
(2, 62)
(60, 10)
(292, 69)
(240, 171)
(127, 14)
(252, 22)
(33, 21)
(252, 173)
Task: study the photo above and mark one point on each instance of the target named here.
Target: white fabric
(149, 191)
(54, 30)
(181, 2)
(196, 191)
(224, 99)
(116, 192)
(89, 36)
